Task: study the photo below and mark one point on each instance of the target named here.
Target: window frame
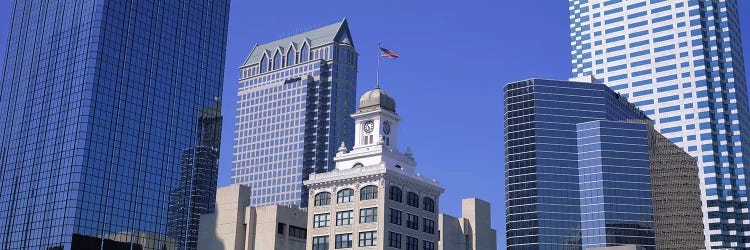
(368, 238)
(320, 200)
(412, 199)
(365, 216)
(369, 192)
(340, 219)
(396, 194)
(394, 243)
(397, 217)
(319, 223)
(317, 241)
(339, 244)
(345, 198)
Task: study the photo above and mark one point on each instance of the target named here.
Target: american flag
(388, 53)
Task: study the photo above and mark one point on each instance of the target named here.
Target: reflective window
(343, 241)
(290, 58)
(344, 218)
(263, 64)
(304, 53)
(368, 193)
(396, 194)
(345, 195)
(367, 215)
(368, 238)
(320, 243)
(412, 199)
(429, 204)
(322, 199)
(277, 60)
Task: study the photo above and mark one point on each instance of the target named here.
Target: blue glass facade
(101, 100)
(615, 184)
(543, 191)
(682, 63)
(294, 101)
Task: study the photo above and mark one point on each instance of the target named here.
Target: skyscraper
(100, 101)
(196, 194)
(295, 97)
(681, 62)
(579, 160)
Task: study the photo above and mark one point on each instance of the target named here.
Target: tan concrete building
(470, 232)
(374, 199)
(235, 226)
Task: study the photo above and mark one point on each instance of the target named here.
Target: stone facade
(374, 199)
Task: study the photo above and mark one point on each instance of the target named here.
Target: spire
(408, 152)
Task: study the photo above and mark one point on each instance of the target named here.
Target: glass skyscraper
(681, 62)
(100, 102)
(579, 161)
(295, 98)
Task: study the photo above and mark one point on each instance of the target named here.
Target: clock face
(369, 126)
(386, 127)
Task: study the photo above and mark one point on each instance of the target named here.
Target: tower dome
(377, 98)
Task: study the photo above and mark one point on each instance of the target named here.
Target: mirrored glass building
(102, 105)
(294, 100)
(681, 62)
(580, 163)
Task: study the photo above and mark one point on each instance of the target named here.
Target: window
(345, 195)
(429, 204)
(277, 60)
(394, 240)
(412, 243)
(428, 226)
(368, 193)
(396, 194)
(304, 53)
(322, 199)
(320, 243)
(412, 199)
(344, 218)
(395, 216)
(428, 245)
(290, 56)
(297, 232)
(321, 220)
(367, 238)
(264, 64)
(412, 221)
(343, 241)
(367, 215)
(280, 228)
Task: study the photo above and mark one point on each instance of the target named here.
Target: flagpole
(377, 71)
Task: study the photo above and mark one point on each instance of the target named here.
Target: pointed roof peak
(336, 32)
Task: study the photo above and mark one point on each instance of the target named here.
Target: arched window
(358, 165)
(345, 195)
(304, 53)
(322, 199)
(396, 194)
(290, 56)
(264, 64)
(429, 204)
(412, 199)
(277, 60)
(368, 193)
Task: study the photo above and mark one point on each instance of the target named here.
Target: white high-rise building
(681, 62)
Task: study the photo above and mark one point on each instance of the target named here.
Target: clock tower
(376, 120)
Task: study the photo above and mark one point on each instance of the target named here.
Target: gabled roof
(315, 38)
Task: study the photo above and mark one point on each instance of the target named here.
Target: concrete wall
(225, 229)
(470, 232)
(235, 226)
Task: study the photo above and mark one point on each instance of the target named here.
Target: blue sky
(455, 58)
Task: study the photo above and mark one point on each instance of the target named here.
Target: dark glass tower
(101, 100)
(580, 163)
